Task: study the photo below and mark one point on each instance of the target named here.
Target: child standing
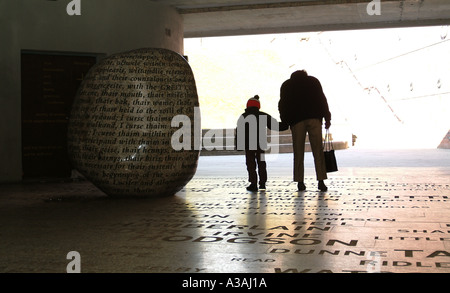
(252, 137)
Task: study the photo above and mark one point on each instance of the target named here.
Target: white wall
(104, 26)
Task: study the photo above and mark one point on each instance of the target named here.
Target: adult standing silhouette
(303, 106)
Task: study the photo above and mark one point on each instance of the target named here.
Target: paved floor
(386, 210)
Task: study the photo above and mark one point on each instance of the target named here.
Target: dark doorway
(49, 85)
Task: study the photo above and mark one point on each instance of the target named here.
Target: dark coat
(301, 98)
(250, 122)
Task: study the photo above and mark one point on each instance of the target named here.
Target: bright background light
(389, 87)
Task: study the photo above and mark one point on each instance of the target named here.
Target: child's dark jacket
(251, 132)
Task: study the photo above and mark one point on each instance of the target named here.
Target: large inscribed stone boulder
(120, 134)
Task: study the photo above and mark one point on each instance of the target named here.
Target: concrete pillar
(104, 27)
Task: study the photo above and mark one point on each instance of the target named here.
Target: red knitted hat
(254, 102)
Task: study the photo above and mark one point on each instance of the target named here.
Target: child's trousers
(255, 159)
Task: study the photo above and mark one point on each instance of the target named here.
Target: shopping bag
(330, 156)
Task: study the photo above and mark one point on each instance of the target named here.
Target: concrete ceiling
(206, 18)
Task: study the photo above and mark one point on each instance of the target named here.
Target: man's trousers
(314, 129)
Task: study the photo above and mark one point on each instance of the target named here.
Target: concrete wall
(104, 27)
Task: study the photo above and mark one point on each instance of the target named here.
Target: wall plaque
(120, 133)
